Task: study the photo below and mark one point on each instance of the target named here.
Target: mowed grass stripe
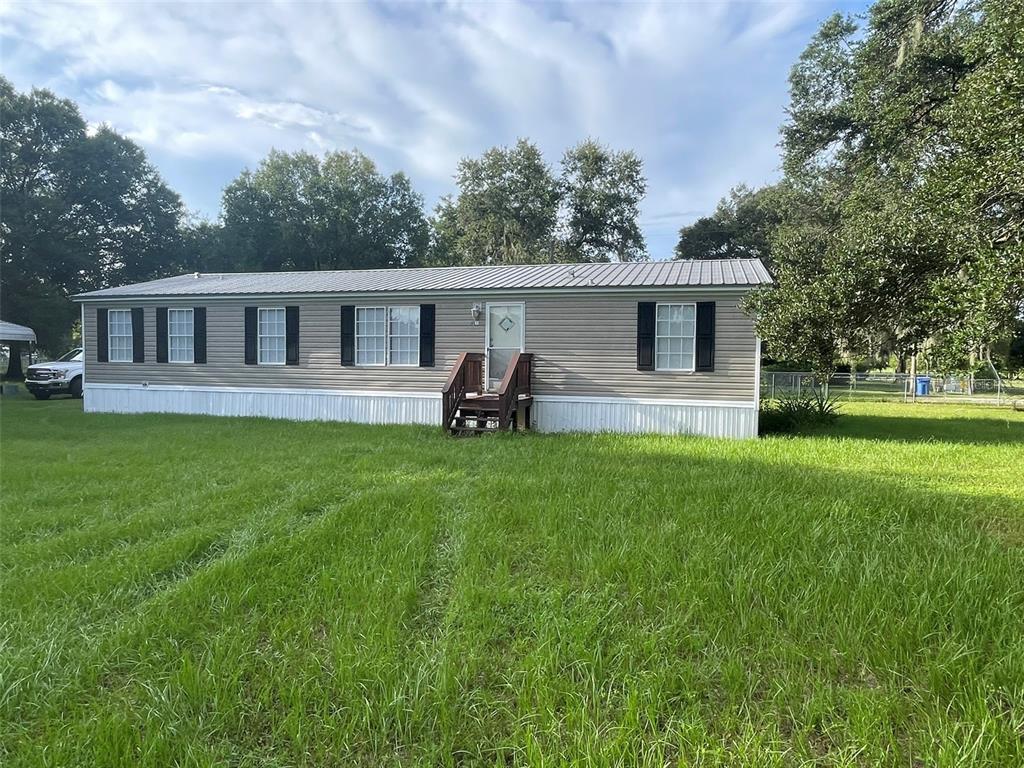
(366, 595)
(267, 579)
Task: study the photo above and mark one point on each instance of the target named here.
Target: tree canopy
(601, 193)
(300, 212)
(505, 212)
(80, 211)
(740, 228)
(901, 211)
(511, 208)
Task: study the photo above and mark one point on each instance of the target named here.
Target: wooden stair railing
(466, 377)
(468, 409)
(515, 385)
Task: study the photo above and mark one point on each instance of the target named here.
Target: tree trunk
(14, 372)
(999, 379)
(991, 365)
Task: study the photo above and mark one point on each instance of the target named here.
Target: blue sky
(698, 89)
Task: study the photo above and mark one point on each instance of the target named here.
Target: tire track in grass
(124, 543)
(134, 510)
(110, 669)
(37, 674)
(40, 667)
(409, 718)
(276, 722)
(463, 707)
(434, 593)
(89, 632)
(108, 585)
(365, 472)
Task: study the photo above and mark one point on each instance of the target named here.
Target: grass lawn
(199, 591)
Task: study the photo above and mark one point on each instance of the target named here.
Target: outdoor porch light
(476, 311)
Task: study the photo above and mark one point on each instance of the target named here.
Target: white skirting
(365, 407)
(550, 413)
(618, 414)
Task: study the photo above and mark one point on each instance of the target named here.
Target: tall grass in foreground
(196, 591)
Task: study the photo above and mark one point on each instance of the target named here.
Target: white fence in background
(893, 386)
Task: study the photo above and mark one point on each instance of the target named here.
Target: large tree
(511, 208)
(601, 194)
(741, 227)
(132, 220)
(78, 211)
(904, 155)
(505, 212)
(298, 211)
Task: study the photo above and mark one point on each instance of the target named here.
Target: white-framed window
(271, 336)
(119, 335)
(674, 340)
(371, 335)
(388, 336)
(404, 335)
(179, 336)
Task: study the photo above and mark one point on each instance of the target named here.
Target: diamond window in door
(504, 339)
(506, 326)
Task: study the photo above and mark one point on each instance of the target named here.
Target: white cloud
(696, 88)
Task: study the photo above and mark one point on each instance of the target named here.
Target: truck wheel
(76, 387)
(41, 395)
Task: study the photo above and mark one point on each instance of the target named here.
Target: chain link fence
(894, 387)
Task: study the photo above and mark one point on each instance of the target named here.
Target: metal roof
(15, 332)
(646, 274)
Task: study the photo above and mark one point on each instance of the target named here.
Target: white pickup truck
(63, 376)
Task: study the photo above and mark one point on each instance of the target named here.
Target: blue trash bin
(924, 385)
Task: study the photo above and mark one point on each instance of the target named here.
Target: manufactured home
(637, 347)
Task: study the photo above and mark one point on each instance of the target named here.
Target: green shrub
(859, 366)
(796, 413)
(770, 421)
(785, 366)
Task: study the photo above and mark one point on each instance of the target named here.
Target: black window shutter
(138, 335)
(645, 335)
(426, 335)
(199, 334)
(348, 335)
(705, 336)
(102, 337)
(291, 335)
(250, 335)
(161, 334)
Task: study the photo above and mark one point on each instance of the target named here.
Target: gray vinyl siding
(587, 346)
(319, 350)
(583, 345)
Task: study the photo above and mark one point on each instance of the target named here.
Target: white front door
(505, 334)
